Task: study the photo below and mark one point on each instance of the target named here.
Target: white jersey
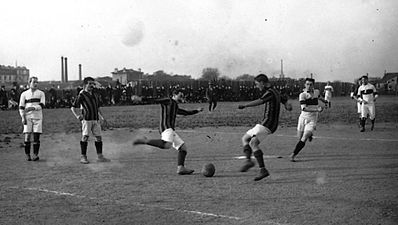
(34, 99)
(328, 91)
(367, 93)
(310, 101)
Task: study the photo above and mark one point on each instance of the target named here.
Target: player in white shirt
(367, 96)
(309, 115)
(31, 104)
(328, 93)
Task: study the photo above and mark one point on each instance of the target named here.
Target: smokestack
(66, 69)
(62, 69)
(80, 72)
(282, 75)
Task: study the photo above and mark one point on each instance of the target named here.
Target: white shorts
(368, 109)
(259, 131)
(328, 98)
(306, 124)
(33, 125)
(91, 125)
(170, 135)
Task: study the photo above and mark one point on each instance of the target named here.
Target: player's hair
(87, 79)
(261, 78)
(31, 78)
(364, 76)
(310, 80)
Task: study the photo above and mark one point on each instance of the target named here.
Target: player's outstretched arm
(252, 104)
(188, 112)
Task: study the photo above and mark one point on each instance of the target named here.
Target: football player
(309, 115)
(169, 138)
(367, 96)
(31, 104)
(272, 99)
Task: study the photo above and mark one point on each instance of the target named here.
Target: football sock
(300, 145)
(373, 121)
(27, 147)
(98, 147)
(156, 142)
(36, 147)
(181, 157)
(83, 147)
(248, 151)
(363, 122)
(259, 156)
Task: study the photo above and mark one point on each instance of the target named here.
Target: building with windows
(125, 76)
(10, 74)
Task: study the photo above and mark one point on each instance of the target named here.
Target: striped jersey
(169, 113)
(309, 100)
(272, 100)
(35, 99)
(89, 103)
(367, 92)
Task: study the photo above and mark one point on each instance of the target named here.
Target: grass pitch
(342, 177)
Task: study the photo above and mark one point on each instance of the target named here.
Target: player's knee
(246, 139)
(98, 138)
(36, 137)
(27, 137)
(84, 138)
(254, 142)
(183, 147)
(167, 145)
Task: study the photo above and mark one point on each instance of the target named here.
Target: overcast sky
(333, 39)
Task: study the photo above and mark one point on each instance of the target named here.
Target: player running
(169, 138)
(90, 103)
(251, 139)
(31, 104)
(367, 96)
(309, 115)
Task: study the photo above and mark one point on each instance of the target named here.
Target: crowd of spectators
(118, 94)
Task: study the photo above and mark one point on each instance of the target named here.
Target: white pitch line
(60, 193)
(285, 135)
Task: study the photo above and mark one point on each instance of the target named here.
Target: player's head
(364, 79)
(33, 82)
(88, 83)
(177, 95)
(309, 83)
(261, 81)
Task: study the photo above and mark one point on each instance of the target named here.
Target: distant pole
(311, 75)
(66, 69)
(62, 70)
(80, 72)
(282, 75)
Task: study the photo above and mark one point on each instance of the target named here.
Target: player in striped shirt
(169, 138)
(31, 104)
(309, 115)
(251, 139)
(89, 102)
(367, 96)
